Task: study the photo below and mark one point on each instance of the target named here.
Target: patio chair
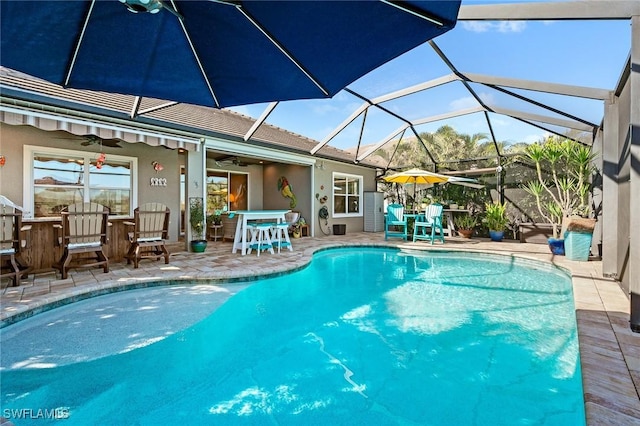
(432, 220)
(150, 232)
(83, 230)
(395, 218)
(260, 237)
(11, 263)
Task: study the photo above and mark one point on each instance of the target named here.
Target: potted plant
(565, 194)
(296, 230)
(495, 218)
(215, 218)
(214, 223)
(197, 223)
(297, 227)
(465, 224)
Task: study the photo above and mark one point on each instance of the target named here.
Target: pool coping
(609, 351)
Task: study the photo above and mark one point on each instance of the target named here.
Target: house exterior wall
(323, 184)
(299, 177)
(262, 191)
(307, 182)
(632, 276)
(621, 182)
(623, 186)
(610, 194)
(14, 138)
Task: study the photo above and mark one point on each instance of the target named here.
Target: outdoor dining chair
(150, 232)
(11, 264)
(83, 230)
(395, 218)
(431, 220)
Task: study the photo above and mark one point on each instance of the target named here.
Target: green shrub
(495, 216)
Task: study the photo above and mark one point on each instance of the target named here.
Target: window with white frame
(62, 177)
(347, 195)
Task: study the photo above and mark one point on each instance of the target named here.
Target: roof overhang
(237, 149)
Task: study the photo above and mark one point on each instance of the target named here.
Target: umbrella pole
(414, 198)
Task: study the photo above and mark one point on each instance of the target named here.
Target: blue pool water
(360, 337)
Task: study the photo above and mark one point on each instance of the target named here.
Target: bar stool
(260, 238)
(280, 235)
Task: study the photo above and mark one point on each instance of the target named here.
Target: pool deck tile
(610, 352)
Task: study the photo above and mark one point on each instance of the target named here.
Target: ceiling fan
(88, 140)
(95, 140)
(232, 160)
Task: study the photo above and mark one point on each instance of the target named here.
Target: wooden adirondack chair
(432, 220)
(11, 263)
(395, 218)
(150, 230)
(84, 230)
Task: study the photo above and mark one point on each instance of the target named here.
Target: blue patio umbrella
(214, 52)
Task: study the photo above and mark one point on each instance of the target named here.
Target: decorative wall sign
(287, 192)
(157, 181)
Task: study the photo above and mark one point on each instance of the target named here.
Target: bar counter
(41, 250)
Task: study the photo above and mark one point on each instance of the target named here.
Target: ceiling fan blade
(111, 143)
(95, 140)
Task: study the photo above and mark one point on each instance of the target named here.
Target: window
(61, 177)
(226, 190)
(347, 195)
(217, 191)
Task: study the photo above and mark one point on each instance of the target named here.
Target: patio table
(450, 224)
(240, 239)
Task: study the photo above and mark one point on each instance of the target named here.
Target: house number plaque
(156, 181)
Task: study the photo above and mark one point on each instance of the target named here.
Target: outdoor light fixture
(135, 6)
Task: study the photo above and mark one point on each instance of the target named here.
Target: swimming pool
(366, 336)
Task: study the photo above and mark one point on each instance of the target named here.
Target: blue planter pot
(496, 235)
(556, 245)
(198, 246)
(578, 245)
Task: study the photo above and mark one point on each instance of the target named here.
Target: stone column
(634, 201)
(195, 184)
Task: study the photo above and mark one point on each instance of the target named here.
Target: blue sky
(581, 53)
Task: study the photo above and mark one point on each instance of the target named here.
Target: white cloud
(501, 27)
(463, 103)
(511, 26)
(498, 121)
(324, 109)
(535, 137)
(476, 26)
(470, 101)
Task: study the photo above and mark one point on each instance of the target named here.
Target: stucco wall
(624, 165)
(309, 185)
(13, 139)
(299, 177)
(323, 186)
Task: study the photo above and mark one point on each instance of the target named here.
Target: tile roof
(195, 119)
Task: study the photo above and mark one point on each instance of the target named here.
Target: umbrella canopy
(214, 52)
(417, 177)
